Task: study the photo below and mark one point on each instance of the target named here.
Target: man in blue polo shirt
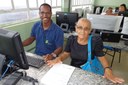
(49, 36)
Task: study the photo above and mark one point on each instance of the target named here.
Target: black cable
(30, 79)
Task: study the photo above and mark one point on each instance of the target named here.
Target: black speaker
(126, 43)
(2, 61)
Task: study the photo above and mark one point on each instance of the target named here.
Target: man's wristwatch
(108, 68)
(54, 55)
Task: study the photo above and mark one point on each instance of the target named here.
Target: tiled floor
(119, 69)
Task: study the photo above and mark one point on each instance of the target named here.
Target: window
(32, 3)
(58, 2)
(12, 17)
(82, 4)
(4, 5)
(49, 2)
(40, 2)
(20, 4)
(17, 10)
(34, 13)
(54, 3)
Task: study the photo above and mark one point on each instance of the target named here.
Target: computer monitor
(11, 46)
(69, 18)
(105, 22)
(123, 13)
(125, 29)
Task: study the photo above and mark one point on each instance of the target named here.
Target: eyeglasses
(47, 13)
(82, 28)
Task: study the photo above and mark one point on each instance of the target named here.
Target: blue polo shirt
(47, 40)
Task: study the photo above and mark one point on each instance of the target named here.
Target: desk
(119, 45)
(79, 77)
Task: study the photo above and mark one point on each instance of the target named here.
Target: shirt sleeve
(33, 31)
(68, 44)
(98, 46)
(59, 38)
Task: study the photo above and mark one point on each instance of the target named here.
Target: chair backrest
(104, 9)
(85, 11)
(97, 10)
(125, 26)
(105, 22)
(79, 11)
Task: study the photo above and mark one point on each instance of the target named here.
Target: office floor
(119, 69)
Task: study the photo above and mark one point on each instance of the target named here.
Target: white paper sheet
(59, 74)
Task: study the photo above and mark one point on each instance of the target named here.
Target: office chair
(103, 10)
(108, 36)
(85, 11)
(97, 10)
(114, 50)
(79, 11)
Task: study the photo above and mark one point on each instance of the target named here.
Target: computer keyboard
(35, 60)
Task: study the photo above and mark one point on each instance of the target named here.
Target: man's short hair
(45, 4)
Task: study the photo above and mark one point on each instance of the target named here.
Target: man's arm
(53, 54)
(28, 41)
(58, 51)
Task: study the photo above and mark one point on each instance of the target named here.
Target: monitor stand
(64, 27)
(126, 43)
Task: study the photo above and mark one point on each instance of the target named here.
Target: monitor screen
(67, 18)
(11, 46)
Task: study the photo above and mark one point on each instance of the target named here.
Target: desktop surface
(78, 77)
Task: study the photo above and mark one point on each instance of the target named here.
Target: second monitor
(67, 18)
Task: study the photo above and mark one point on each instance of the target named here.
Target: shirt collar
(50, 27)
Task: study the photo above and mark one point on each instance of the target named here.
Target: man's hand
(53, 62)
(47, 57)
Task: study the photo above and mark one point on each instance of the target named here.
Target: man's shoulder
(56, 27)
(37, 22)
(36, 25)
